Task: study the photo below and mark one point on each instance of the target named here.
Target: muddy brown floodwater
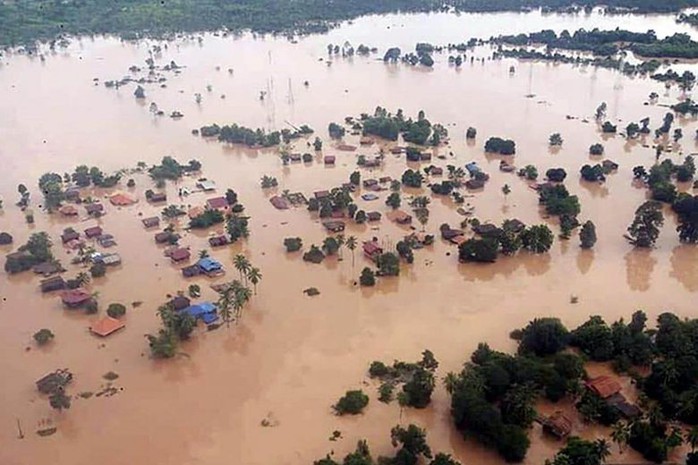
(291, 356)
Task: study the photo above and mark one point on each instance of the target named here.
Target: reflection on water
(639, 264)
(584, 260)
(684, 266)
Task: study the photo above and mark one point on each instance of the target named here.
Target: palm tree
(82, 278)
(242, 265)
(225, 303)
(340, 243)
(602, 449)
(422, 217)
(506, 190)
(203, 253)
(241, 295)
(692, 438)
(255, 276)
(620, 434)
(351, 244)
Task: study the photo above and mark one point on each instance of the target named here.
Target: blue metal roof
(201, 310)
(208, 264)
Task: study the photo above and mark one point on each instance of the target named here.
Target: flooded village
(232, 241)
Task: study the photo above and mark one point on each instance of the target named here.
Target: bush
(537, 239)
(529, 172)
(556, 174)
(378, 369)
(116, 310)
(596, 149)
(43, 336)
(98, 270)
(352, 403)
(293, 244)
(587, 235)
(367, 278)
(544, 336)
(91, 307)
(479, 250)
(501, 146)
(417, 391)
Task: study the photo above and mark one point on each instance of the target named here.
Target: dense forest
(22, 22)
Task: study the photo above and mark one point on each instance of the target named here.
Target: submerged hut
(179, 255)
(151, 222)
(106, 326)
(55, 381)
(399, 217)
(557, 425)
(55, 283)
(74, 298)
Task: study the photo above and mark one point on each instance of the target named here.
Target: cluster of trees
(412, 178)
(336, 131)
(506, 240)
(595, 41)
(558, 202)
(675, 46)
(579, 451)
(36, 250)
(171, 169)
(339, 200)
(353, 403)
(235, 134)
(644, 230)
(23, 23)
(208, 218)
(51, 186)
(389, 126)
(500, 146)
(413, 449)
(493, 397)
(176, 327)
(416, 379)
(84, 176)
(659, 177)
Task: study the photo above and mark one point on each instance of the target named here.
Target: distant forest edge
(24, 22)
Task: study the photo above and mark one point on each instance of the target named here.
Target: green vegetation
(367, 278)
(644, 230)
(587, 235)
(116, 310)
(176, 327)
(268, 182)
(555, 140)
(84, 176)
(51, 186)
(579, 451)
(98, 270)
(412, 178)
(171, 169)
(353, 403)
(388, 264)
(596, 149)
(529, 172)
(237, 227)
(36, 250)
(207, 219)
(393, 200)
(500, 146)
(293, 244)
(314, 255)
(686, 208)
(558, 201)
(336, 131)
(389, 126)
(43, 336)
(417, 379)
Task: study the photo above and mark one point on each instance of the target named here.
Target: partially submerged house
(151, 222)
(179, 255)
(623, 407)
(319, 195)
(179, 302)
(164, 237)
(206, 185)
(47, 269)
(370, 183)
(218, 241)
(94, 209)
(94, 231)
(205, 311)
(210, 267)
(373, 216)
(55, 283)
(191, 271)
(603, 386)
(69, 234)
(399, 217)
(372, 250)
(218, 203)
(68, 210)
(329, 159)
(156, 197)
(54, 382)
(279, 202)
(106, 326)
(106, 240)
(334, 226)
(121, 200)
(74, 298)
(557, 425)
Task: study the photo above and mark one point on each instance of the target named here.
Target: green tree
(419, 388)
(242, 264)
(255, 276)
(543, 336)
(353, 402)
(393, 200)
(355, 178)
(43, 336)
(351, 244)
(555, 139)
(413, 444)
(116, 310)
(59, 400)
(587, 235)
(330, 246)
(367, 278)
(506, 190)
(517, 405)
(537, 238)
(293, 244)
(388, 264)
(644, 230)
(620, 434)
(317, 145)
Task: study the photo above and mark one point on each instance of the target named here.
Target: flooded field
(291, 356)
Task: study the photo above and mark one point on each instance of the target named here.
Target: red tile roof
(107, 325)
(217, 203)
(178, 255)
(604, 386)
(75, 296)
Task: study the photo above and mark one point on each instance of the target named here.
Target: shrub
(43, 336)
(116, 310)
(367, 278)
(293, 244)
(98, 270)
(352, 403)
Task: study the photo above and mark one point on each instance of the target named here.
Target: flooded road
(291, 357)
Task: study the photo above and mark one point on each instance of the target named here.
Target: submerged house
(399, 217)
(55, 283)
(218, 203)
(218, 241)
(557, 425)
(179, 255)
(94, 209)
(151, 222)
(52, 382)
(74, 298)
(179, 302)
(47, 269)
(334, 226)
(210, 267)
(191, 271)
(372, 250)
(106, 326)
(609, 390)
(69, 234)
(205, 311)
(206, 185)
(373, 216)
(279, 202)
(94, 231)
